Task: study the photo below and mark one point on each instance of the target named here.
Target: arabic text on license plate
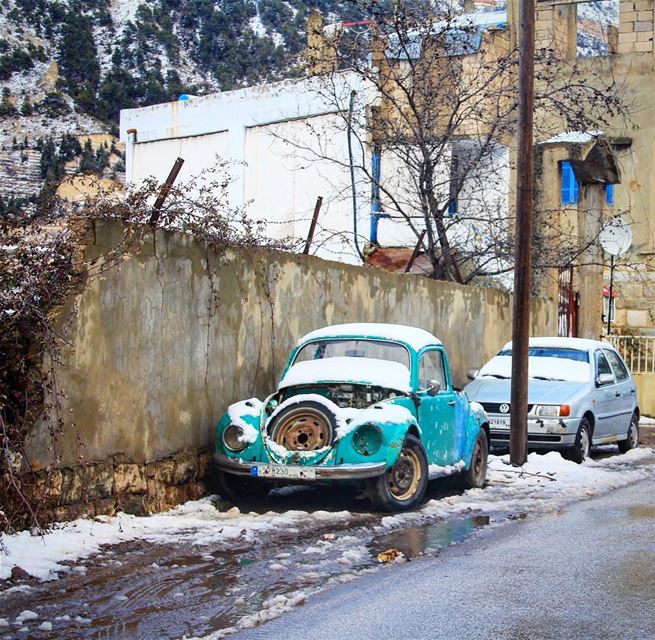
(291, 472)
(499, 422)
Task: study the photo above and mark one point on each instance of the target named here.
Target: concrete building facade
(277, 136)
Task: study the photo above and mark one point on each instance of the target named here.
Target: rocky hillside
(69, 66)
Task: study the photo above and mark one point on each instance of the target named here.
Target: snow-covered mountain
(69, 66)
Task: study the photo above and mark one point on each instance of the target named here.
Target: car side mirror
(472, 374)
(434, 388)
(604, 378)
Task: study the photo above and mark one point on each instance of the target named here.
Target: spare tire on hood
(305, 426)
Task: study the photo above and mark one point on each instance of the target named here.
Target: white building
(287, 144)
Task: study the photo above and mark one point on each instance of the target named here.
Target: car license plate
(283, 471)
(499, 422)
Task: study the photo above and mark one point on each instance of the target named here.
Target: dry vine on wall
(42, 266)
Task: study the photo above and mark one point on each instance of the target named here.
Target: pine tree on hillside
(78, 60)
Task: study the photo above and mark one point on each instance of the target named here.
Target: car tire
(240, 489)
(580, 451)
(632, 441)
(475, 476)
(403, 486)
(305, 426)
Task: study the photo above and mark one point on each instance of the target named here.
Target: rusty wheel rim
(303, 431)
(405, 476)
(479, 464)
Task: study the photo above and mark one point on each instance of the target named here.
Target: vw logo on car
(504, 408)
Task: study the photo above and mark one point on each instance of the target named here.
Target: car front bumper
(336, 472)
(543, 433)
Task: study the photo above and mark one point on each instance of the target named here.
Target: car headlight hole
(233, 438)
(367, 439)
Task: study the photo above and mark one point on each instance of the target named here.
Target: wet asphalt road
(586, 573)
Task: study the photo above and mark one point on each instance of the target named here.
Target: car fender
(477, 419)
(394, 437)
(246, 414)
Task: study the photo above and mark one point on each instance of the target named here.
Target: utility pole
(518, 439)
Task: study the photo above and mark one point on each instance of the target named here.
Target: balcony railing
(637, 351)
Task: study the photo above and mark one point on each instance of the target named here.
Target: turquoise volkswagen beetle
(366, 403)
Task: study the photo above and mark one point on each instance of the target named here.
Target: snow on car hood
(371, 371)
(556, 368)
(539, 391)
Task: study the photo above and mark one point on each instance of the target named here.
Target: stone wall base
(119, 484)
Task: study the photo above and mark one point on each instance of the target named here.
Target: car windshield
(552, 352)
(354, 348)
(544, 363)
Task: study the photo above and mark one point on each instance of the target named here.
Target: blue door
(437, 412)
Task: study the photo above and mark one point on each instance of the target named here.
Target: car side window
(602, 366)
(620, 370)
(431, 368)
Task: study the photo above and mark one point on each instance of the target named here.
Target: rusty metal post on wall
(610, 302)
(312, 226)
(165, 190)
(416, 251)
(518, 438)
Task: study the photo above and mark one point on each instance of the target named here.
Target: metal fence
(637, 351)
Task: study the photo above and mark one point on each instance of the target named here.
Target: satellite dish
(616, 236)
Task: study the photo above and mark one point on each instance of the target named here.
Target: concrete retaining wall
(646, 393)
(161, 345)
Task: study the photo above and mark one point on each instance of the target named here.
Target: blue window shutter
(609, 195)
(452, 208)
(570, 191)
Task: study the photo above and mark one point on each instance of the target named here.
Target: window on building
(452, 208)
(570, 189)
(609, 195)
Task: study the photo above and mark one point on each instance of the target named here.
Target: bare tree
(436, 109)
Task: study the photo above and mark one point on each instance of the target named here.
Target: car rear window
(552, 352)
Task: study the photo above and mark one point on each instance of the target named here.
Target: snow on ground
(545, 483)
(197, 522)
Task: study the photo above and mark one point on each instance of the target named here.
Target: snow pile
(370, 371)
(413, 336)
(544, 483)
(197, 522)
(438, 471)
(272, 608)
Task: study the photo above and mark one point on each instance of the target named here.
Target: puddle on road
(417, 541)
(163, 591)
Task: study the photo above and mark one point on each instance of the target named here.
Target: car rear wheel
(632, 440)
(580, 451)
(475, 476)
(402, 487)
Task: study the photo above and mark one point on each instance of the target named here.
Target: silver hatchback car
(580, 393)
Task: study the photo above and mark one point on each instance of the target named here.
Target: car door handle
(451, 403)
(633, 391)
(617, 394)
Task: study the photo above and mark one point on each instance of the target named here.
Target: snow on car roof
(381, 373)
(412, 336)
(581, 344)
